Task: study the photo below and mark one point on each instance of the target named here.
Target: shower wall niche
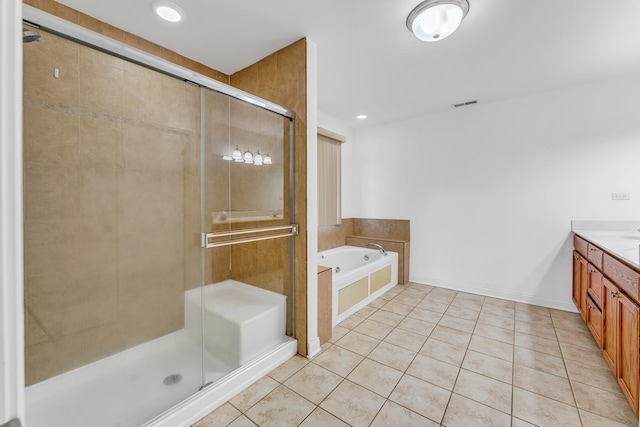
(124, 169)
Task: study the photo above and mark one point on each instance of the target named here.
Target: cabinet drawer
(624, 277)
(594, 287)
(594, 321)
(595, 256)
(580, 245)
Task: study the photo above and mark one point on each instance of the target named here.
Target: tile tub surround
(479, 362)
(621, 238)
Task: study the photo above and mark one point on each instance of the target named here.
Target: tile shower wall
(281, 78)
(111, 204)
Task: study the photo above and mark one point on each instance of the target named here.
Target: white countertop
(620, 238)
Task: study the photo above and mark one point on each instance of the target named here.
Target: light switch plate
(620, 196)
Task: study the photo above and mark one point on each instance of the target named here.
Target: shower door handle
(206, 243)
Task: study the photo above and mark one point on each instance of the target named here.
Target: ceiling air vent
(464, 104)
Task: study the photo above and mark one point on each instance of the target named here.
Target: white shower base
(127, 389)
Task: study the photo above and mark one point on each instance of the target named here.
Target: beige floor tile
(434, 371)
(425, 315)
(358, 343)
(338, 360)
(417, 291)
(601, 378)
(351, 321)
(288, 368)
(548, 385)
(391, 355)
(563, 314)
(281, 407)
(533, 317)
(542, 411)
(321, 418)
(220, 417)
(604, 403)
(494, 332)
(530, 308)
(544, 331)
(313, 382)
(499, 321)
(463, 412)
(443, 295)
(451, 336)
(393, 414)
(540, 361)
(366, 311)
(377, 303)
(579, 339)
(373, 329)
(574, 324)
(573, 352)
(498, 311)
(443, 351)
(417, 326)
(254, 393)
(490, 366)
(422, 397)
(462, 312)
(543, 345)
(337, 333)
(498, 302)
(386, 317)
(243, 421)
(485, 390)
(396, 307)
(593, 420)
(353, 404)
(407, 299)
(467, 304)
(376, 377)
(517, 422)
(405, 339)
(431, 305)
(491, 347)
(457, 323)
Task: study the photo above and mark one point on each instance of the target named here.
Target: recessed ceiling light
(168, 11)
(361, 116)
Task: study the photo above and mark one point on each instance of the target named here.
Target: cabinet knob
(592, 249)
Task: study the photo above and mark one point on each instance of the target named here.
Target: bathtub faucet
(380, 248)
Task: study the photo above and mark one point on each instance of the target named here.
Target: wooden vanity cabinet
(606, 292)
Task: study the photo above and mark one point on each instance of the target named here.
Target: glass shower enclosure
(157, 262)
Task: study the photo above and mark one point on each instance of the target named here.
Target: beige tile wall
(334, 236)
(111, 204)
(281, 78)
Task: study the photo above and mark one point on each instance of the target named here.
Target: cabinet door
(594, 287)
(628, 366)
(594, 321)
(580, 280)
(609, 323)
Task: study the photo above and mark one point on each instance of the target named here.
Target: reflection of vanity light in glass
(255, 159)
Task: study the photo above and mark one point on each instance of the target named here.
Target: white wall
(491, 189)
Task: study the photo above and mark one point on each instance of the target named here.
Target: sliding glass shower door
(139, 289)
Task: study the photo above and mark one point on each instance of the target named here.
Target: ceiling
(368, 62)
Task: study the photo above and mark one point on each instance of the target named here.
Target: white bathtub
(359, 276)
(241, 321)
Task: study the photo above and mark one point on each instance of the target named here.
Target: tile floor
(426, 356)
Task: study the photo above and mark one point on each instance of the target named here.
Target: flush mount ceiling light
(361, 116)
(434, 20)
(168, 11)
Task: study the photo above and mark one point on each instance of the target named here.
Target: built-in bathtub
(359, 276)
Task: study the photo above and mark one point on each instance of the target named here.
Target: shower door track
(205, 243)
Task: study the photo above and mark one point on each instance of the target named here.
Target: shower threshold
(126, 389)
